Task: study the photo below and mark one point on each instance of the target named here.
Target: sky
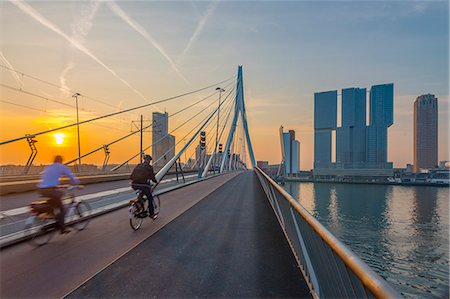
(122, 54)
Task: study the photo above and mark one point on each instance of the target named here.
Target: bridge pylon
(239, 109)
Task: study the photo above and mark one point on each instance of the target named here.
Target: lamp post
(217, 128)
(78, 130)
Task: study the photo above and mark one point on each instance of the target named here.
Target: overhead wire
(117, 113)
(207, 125)
(128, 160)
(58, 87)
(144, 128)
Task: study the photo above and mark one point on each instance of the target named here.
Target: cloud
(13, 72)
(80, 29)
(199, 29)
(42, 20)
(120, 13)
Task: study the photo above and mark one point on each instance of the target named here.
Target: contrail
(14, 73)
(120, 13)
(41, 19)
(199, 29)
(80, 30)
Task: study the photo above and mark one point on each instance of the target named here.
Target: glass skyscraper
(325, 121)
(381, 118)
(351, 136)
(360, 148)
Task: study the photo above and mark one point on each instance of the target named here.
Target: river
(400, 232)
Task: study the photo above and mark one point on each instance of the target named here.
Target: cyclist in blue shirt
(48, 187)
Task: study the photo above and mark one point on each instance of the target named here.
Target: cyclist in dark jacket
(140, 180)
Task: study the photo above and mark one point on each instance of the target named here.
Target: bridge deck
(227, 245)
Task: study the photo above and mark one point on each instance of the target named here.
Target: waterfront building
(163, 143)
(325, 121)
(425, 132)
(291, 148)
(361, 150)
(381, 118)
(351, 136)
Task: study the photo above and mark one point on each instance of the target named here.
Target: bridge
(223, 231)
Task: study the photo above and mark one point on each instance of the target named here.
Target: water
(402, 233)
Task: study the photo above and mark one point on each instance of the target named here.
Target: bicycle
(40, 226)
(137, 210)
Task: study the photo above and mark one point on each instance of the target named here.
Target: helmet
(147, 157)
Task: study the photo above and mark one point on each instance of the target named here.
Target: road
(229, 245)
(69, 260)
(14, 208)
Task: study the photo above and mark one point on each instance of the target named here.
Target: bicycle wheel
(135, 220)
(81, 215)
(39, 230)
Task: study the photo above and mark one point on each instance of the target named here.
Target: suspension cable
(146, 127)
(128, 160)
(116, 113)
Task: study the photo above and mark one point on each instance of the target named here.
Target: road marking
(22, 210)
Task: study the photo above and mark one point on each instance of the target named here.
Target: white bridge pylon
(239, 109)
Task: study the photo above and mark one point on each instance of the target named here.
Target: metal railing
(330, 268)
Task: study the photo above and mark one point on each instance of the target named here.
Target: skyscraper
(425, 132)
(291, 153)
(163, 143)
(361, 150)
(325, 121)
(351, 136)
(381, 118)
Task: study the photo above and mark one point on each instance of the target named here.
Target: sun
(59, 138)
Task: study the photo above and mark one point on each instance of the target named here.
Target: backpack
(140, 174)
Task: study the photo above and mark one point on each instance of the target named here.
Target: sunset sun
(59, 138)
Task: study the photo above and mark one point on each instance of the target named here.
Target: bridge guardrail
(330, 268)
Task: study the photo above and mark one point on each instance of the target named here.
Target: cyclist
(140, 180)
(48, 187)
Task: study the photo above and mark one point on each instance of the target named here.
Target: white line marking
(22, 210)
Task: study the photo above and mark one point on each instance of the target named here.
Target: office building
(291, 153)
(163, 148)
(381, 118)
(361, 150)
(425, 132)
(351, 136)
(325, 121)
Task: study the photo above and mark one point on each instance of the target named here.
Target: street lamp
(78, 129)
(218, 115)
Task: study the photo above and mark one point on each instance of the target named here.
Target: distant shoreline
(302, 180)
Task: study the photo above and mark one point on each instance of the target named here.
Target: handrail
(371, 280)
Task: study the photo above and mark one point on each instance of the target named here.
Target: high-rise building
(163, 143)
(325, 121)
(361, 150)
(351, 136)
(425, 132)
(381, 118)
(291, 153)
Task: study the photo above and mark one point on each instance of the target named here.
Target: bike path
(53, 270)
(228, 245)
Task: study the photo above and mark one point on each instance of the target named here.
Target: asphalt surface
(16, 200)
(227, 245)
(13, 222)
(53, 270)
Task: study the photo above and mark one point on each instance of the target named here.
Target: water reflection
(401, 232)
